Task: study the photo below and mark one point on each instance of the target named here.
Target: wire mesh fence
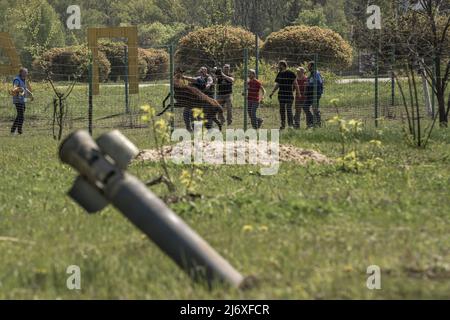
(113, 107)
(62, 97)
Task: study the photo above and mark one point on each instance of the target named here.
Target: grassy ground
(308, 232)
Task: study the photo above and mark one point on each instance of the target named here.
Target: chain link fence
(367, 92)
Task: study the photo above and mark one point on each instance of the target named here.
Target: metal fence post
(315, 93)
(172, 86)
(433, 86)
(376, 89)
(127, 98)
(257, 56)
(90, 102)
(244, 77)
(393, 78)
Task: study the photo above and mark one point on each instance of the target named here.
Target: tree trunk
(440, 93)
(443, 119)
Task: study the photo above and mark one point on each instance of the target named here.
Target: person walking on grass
(300, 100)
(285, 84)
(315, 83)
(225, 81)
(20, 92)
(254, 98)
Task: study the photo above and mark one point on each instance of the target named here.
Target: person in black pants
(225, 82)
(314, 93)
(286, 84)
(20, 92)
(20, 118)
(301, 102)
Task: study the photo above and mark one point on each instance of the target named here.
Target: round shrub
(63, 63)
(302, 42)
(214, 46)
(157, 63)
(115, 53)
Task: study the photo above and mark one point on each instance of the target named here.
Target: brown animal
(188, 98)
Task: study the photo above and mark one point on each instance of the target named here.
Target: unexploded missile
(103, 180)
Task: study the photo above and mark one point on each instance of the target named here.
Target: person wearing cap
(254, 98)
(20, 92)
(225, 81)
(300, 100)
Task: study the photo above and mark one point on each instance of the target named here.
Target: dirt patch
(214, 151)
(289, 153)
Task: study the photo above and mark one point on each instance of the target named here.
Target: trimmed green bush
(115, 53)
(67, 62)
(157, 63)
(152, 63)
(302, 42)
(74, 61)
(214, 46)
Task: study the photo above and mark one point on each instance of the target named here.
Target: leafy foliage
(35, 27)
(115, 52)
(312, 17)
(159, 34)
(157, 63)
(69, 61)
(74, 61)
(332, 49)
(213, 46)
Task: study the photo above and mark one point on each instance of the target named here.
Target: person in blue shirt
(314, 79)
(20, 93)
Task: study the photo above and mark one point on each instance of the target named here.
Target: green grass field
(307, 232)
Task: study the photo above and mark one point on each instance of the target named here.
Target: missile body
(103, 180)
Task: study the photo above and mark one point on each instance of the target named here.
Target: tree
(38, 25)
(437, 16)
(335, 16)
(207, 12)
(415, 33)
(136, 12)
(313, 17)
(265, 16)
(157, 34)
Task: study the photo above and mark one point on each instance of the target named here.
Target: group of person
(300, 89)
(305, 91)
(214, 92)
(218, 86)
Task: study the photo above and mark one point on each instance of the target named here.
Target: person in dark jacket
(315, 80)
(225, 81)
(285, 84)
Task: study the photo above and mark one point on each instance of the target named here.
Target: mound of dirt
(289, 153)
(210, 150)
